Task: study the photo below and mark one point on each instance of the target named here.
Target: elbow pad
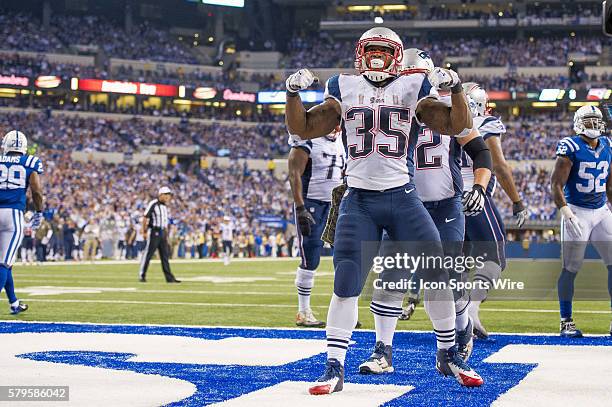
(479, 153)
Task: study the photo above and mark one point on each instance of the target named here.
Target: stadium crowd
(78, 133)
(82, 222)
(26, 32)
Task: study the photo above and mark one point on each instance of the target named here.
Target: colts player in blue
(381, 112)
(581, 185)
(315, 169)
(485, 232)
(18, 171)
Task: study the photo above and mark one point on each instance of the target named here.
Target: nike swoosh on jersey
(446, 220)
(408, 190)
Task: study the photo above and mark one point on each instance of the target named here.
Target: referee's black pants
(158, 240)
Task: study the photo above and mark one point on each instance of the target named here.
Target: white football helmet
(588, 121)
(375, 65)
(478, 95)
(14, 142)
(417, 61)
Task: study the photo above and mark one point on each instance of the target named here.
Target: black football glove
(473, 201)
(304, 220)
(519, 211)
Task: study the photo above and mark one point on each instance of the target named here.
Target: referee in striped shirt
(156, 219)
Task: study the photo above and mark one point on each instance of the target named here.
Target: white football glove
(571, 222)
(36, 220)
(444, 79)
(519, 211)
(473, 201)
(300, 80)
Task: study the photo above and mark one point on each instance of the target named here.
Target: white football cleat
(307, 319)
(381, 361)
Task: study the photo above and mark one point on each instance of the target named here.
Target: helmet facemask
(590, 126)
(381, 63)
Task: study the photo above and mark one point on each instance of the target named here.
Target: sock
(3, 275)
(461, 313)
(9, 286)
(440, 307)
(610, 284)
(385, 319)
(565, 288)
(304, 281)
(341, 320)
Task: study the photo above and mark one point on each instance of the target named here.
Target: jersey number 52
(598, 184)
(368, 128)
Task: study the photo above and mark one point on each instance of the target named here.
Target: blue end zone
(413, 359)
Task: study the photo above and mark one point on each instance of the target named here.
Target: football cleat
(409, 309)
(568, 329)
(465, 341)
(479, 330)
(331, 381)
(449, 363)
(381, 361)
(19, 308)
(308, 319)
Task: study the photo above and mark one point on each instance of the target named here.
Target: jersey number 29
(13, 177)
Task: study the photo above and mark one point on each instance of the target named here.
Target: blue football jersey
(586, 184)
(15, 173)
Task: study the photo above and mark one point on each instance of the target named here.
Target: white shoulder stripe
(567, 142)
(28, 161)
(34, 162)
(576, 146)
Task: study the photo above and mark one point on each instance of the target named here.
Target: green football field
(262, 293)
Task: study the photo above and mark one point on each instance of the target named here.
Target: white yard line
(276, 328)
(225, 304)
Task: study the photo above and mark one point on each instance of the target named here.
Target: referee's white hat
(164, 190)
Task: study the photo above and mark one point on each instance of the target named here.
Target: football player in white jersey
(315, 169)
(486, 232)
(380, 113)
(227, 239)
(439, 185)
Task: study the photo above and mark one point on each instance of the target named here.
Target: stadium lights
(394, 7)
(544, 104)
(211, 39)
(359, 8)
(74, 83)
(580, 104)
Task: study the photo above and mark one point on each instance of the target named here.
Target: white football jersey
(488, 126)
(379, 127)
(227, 231)
(326, 161)
(437, 161)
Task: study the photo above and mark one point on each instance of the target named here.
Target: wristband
(291, 94)
(458, 88)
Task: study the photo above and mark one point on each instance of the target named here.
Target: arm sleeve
(332, 88)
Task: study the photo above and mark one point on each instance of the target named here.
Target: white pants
(596, 225)
(11, 234)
